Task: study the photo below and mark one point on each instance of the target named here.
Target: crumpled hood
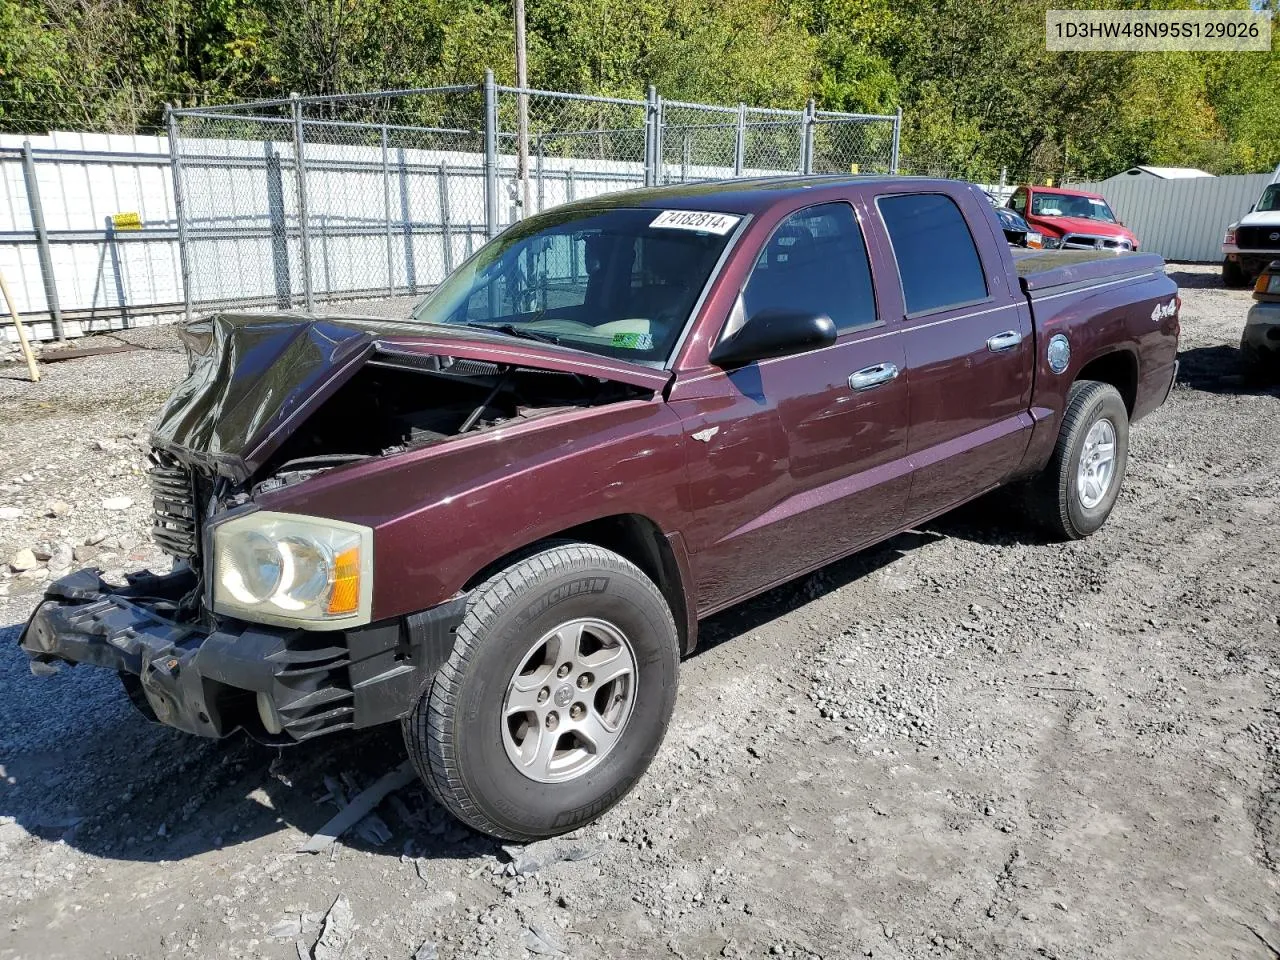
(254, 378)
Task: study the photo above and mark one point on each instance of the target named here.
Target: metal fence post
(651, 149)
(659, 134)
(897, 134)
(304, 223)
(279, 227)
(116, 272)
(406, 223)
(42, 238)
(446, 225)
(542, 195)
(490, 154)
(179, 209)
(386, 207)
(740, 141)
(806, 137)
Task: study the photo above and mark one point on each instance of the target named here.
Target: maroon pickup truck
(499, 521)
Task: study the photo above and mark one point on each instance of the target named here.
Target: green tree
(978, 89)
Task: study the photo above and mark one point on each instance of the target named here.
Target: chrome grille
(1085, 241)
(175, 523)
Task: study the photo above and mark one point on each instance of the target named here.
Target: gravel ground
(967, 743)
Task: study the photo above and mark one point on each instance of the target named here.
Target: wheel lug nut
(564, 670)
(553, 720)
(577, 711)
(585, 681)
(543, 694)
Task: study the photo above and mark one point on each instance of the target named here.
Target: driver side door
(797, 460)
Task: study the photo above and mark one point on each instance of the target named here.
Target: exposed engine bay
(404, 402)
(393, 403)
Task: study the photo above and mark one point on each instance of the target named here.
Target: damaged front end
(213, 678)
(270, 402)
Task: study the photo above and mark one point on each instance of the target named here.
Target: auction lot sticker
(699, 220)
(1223, 30)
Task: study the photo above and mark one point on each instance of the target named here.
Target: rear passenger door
(968, 340)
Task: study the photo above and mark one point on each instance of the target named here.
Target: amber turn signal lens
(345, 597)
(1264, 279)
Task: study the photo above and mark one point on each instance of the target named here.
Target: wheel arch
(1119, 368)
(660, 556)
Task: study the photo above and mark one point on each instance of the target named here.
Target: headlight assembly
(293, 570)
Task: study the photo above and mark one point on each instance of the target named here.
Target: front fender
(443, 513)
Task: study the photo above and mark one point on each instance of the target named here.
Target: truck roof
(748, 195)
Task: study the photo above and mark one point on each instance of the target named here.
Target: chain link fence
(557, 148)
(999, 181)
(309, 200)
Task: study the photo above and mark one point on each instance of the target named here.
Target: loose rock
(339, 928)
(23, 561)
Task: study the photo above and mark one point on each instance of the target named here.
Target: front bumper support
(212, 678)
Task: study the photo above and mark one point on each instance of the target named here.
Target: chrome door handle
(1004, 341)
(869, 377)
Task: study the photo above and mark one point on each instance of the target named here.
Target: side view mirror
(774, 333)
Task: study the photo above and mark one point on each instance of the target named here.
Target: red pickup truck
(500, 519)
(1072, 219)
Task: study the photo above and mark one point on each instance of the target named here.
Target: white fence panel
(99, 273)
(1181, 219)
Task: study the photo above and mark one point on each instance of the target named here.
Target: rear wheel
(1233, 276)
(1074, 495)
(555, 698)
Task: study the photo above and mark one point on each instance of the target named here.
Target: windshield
(1071, 205)
(619, 282)
(1270, 199)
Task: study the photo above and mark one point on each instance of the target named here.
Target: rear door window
(938, 260)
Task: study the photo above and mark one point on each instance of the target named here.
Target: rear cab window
(938, 261)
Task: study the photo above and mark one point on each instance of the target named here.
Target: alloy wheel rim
(569, 700)
(1097, 467)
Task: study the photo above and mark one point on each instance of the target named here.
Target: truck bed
(1043, 271)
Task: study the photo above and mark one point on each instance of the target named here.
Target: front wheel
(1074, 495)
(555, 698)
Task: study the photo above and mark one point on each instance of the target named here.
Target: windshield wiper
(512, 330)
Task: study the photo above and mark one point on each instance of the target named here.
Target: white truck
(1254, 241)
